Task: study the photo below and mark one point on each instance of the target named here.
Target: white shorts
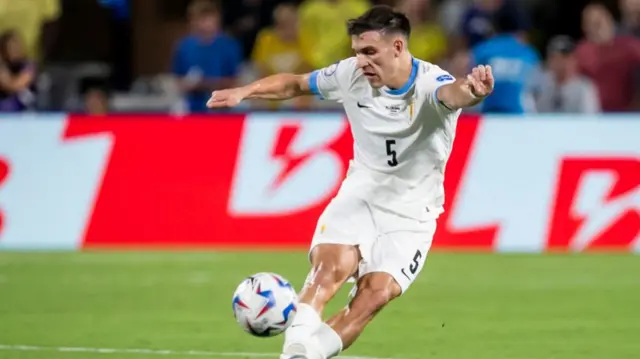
(388, 242)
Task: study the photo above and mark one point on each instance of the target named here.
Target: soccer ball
(264, 304)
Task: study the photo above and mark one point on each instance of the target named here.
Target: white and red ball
(264, 304)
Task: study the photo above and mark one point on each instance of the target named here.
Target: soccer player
(378, 229)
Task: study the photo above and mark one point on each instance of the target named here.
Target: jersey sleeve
(433, 80)
(333, 82)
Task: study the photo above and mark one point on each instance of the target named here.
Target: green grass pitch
(476, 306)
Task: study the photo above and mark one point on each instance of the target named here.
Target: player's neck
(403, 74)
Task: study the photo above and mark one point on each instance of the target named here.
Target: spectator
(610, 60)
(245, 18)
(428, 40)
(206, 60)
(451, 13)
(119, 7)
(514, 64)
(322, 29)
(27, 18)
(477, 23)
(630, 23)
(17, 75)
(562, 88)
(278, 48)
(95, 97)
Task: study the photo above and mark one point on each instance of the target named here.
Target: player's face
(377, 56)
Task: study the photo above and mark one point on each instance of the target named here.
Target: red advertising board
(262, 180)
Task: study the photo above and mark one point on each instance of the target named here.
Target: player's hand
(227, 98)
(480, 81)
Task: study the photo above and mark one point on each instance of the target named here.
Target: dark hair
(380, 18)
(510, 19)
(561, 44)
(92, 83)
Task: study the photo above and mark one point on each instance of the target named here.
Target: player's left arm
(469, 91)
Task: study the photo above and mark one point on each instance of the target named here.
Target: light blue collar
(407, 86)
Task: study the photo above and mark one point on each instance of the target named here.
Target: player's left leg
(374, 291)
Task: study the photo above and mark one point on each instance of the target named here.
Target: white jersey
(402, 138)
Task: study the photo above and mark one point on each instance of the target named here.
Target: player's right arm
(329, 83)
(274, 87)
(279, 87)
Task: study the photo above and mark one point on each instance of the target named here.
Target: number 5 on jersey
(413, 266)
(393, 161)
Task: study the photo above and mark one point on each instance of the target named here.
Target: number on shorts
(391, 152)
(413, 267)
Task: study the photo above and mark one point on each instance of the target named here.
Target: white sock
(328, 341)
(304, 325)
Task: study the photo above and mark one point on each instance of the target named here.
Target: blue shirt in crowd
(218, 58)
(514, 64)
(119, 7)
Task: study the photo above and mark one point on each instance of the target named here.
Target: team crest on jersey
(331, 69)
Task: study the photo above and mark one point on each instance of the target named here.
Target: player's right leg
(335, 257)
(331, 266)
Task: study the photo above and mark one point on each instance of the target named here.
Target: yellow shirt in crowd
(323, 31)
(27, 18)
(273, 55)
(428, 42)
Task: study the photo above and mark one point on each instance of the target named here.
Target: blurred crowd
(547, 57)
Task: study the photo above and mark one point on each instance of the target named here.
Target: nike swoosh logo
(363, 106)
(405, 274)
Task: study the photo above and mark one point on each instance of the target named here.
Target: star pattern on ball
(271, 300)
